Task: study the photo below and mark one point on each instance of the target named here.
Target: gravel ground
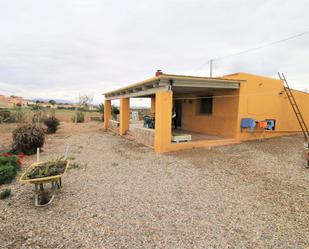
(123, 195)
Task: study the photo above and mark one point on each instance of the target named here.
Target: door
(178, 111)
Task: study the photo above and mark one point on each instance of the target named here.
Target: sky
(58, 49)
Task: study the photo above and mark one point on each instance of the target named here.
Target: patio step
(203, 144)
(222, 142)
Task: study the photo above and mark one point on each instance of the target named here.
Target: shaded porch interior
(185, 118)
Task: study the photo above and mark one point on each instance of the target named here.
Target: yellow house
(192, 112)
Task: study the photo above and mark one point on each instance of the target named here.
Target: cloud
(58, 49)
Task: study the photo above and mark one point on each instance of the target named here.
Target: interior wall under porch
(222, 121)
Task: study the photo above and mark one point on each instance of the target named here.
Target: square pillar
(107, 113)
(124, 115)
(153, 104)
(163, 121)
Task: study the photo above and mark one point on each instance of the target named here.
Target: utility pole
(210, 68)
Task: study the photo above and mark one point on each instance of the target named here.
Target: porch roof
(169, 82)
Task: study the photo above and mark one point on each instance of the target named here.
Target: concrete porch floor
(198, 139)
(196, 136)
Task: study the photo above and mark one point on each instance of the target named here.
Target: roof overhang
(168, 82)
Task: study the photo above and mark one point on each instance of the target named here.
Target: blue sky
(63, 48)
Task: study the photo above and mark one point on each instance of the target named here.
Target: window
(205, 105)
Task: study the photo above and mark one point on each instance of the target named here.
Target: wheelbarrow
(41, 182)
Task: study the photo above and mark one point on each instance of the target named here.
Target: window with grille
(205, 105)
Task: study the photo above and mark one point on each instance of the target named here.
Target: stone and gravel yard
(123, 195)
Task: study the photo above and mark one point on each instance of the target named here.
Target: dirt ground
(68, 115)
(123, 195)
(65, 128)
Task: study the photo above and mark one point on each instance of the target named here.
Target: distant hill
(57, 100)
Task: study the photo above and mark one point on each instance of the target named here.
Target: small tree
(52, 102)
(84, 101)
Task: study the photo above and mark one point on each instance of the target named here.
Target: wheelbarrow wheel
(44, 197)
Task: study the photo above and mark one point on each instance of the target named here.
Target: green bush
(36, 107)
(7, 174)
(79, 117)
(101, 108)
(8, 159)
(115, 111)
(27, 139)
(52, 124)
(5, 193)
(9, 165)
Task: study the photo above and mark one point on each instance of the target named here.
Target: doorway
(178, 111)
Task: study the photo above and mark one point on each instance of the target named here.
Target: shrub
(5, 193)
(9, 165)
(12, 116)
(13, 160)
(18, 115)
(4, 115)
(7, 174)
(52, 124)
(101, 108)
(36, 107)
(115, 110)
(27, 139)
(79, 117)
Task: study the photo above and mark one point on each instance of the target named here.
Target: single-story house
(190, 111)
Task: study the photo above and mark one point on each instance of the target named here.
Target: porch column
(153, 104)
(107, 113)
(163, 121)
(124, 115)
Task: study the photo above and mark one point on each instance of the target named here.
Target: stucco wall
(259, 98)
(264, 98)
(223, 120)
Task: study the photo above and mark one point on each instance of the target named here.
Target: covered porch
(175, 103)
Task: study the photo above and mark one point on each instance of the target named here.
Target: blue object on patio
(248, 123)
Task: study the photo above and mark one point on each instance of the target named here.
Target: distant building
(12, 101)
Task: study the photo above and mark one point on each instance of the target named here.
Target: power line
(254, 48)
(262, 46)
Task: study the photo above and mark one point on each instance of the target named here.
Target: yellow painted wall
(223, 120)
(264, 98)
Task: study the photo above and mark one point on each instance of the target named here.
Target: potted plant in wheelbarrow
(43, 173)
